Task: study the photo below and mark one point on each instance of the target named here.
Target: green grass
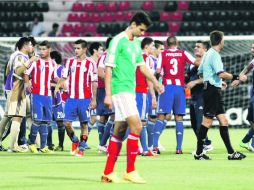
(168, 171)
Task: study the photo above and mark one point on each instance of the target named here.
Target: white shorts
(125, 105)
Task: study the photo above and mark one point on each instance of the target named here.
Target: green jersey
(124, 56)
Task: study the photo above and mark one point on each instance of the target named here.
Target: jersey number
(174, 64)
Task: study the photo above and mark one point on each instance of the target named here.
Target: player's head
(147, 45)
(33, 41)
(56, 56)
(172, 42)
(24, 45)
(108, 42)
(252, 49)
(45, 49)
(139, 23)
(217, 38)
(80, 47)
(55, 27)
(96, 49)
(159, 47)
(201, 47)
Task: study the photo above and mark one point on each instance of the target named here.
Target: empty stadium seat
(154, 15)
(170, 6)
(124, 6)
(77, 7)
(177, 16)
(91, 27)
(89, 7)
(73, 17)
(147, 5)
(78, 28)
(165, 16)
(174, 27)
(183, 5)
(112, 7)
(100, 7)
(67, 28)
(95, 17)
(84, 17)
(120, 16)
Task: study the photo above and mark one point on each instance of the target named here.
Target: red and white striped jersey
(172, 64)
(80, 76)
(141, 83)
(41, 73)
(101, 64)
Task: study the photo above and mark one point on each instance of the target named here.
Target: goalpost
(235, 55)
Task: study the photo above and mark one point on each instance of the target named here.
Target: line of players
(78, 90)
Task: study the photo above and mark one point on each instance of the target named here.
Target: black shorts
(213, 102)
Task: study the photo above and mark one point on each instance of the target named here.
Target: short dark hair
(56, 56)
(108, 42)
(146, 41)
(33, 41)
(21, 42)
(206, 44)
(157, 43)
(82, 42)
(93, 46)
(171, 40)
(45, 43)
(141, 18)
(216, 37)
(55, 25)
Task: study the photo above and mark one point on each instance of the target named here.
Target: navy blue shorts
(101, 109)
(41, 107)
(77, 108)
(173, 99)
(58, 112)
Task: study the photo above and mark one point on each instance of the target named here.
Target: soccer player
(124, 56)
(41, 71)
(196, 86)
(212, 72)
(172, 65)
(106, 115)
(57, 106)
(16, 100)
(95, 50)
(250, 117)
(81, 95)
(142, 86)
(159, 47)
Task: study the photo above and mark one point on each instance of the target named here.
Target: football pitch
(60, 170)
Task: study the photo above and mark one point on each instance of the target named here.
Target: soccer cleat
(2, 148)
(46, 150)
(156, 150)
(251, 148)
(110, 178)
(87, 146)
(133, 177)
(80, 153)
(201, 157)
(33, 148)
(102, 149)
(236, 156)
(179, 152)
(207, 148)
(244, 145)
(74, 147)
(51, 147)
(22, 148)
(58, 148)
(149, 153)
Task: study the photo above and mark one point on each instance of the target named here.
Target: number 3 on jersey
(174, 64)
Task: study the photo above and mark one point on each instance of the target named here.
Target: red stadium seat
(100, 7)
(89, 7)
(112, 7)
(95, 17)
(177, 16)
(107, 17)
(183, 5)
(120, 16)
(147, 6)
(78, 28)
(91, 27)
(165, 16)
(84, 17)
(77, 7)
(67, 28)
(129, 15)
(73, 17)
(124, 5)
(174, 26)
(74, 34)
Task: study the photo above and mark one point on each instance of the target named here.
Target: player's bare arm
(20, 70)
(108, 97)
(94, 90)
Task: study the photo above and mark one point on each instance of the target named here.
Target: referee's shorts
(213, 102)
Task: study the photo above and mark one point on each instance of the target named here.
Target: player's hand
(159, 88)
(92, 104)
(235, 83)
(57, 90)
(108, 101)
(154, 103)
(242, 78)
(191, 84)
(28, 87)
(33, 58)
(224, 85)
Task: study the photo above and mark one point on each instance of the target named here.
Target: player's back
(172, 62)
